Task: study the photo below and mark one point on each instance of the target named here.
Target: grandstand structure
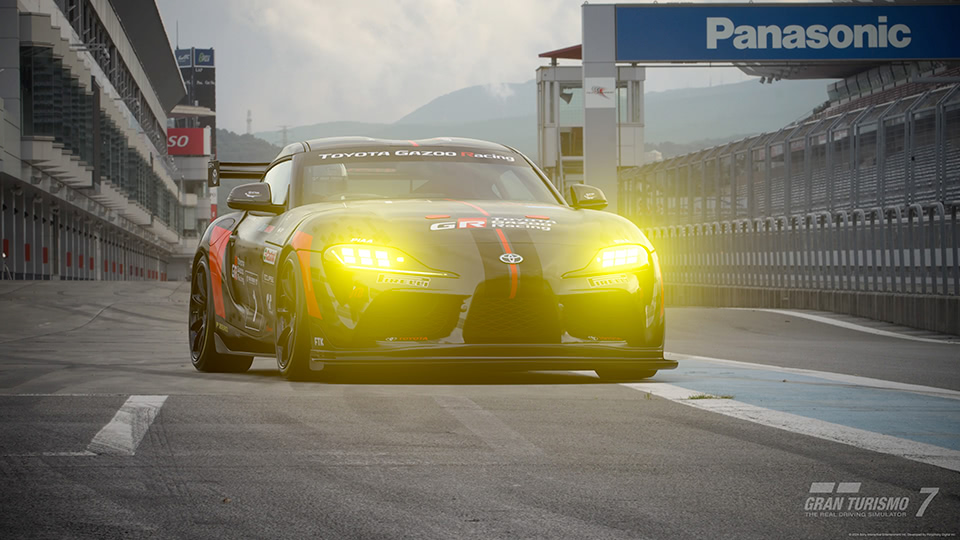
(852, 209)
(900, 145)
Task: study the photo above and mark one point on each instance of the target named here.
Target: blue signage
(203, 57)
(184, 58)
(772, 32)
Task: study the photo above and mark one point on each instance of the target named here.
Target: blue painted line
(916, 417)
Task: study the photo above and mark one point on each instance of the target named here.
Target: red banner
(187, 142)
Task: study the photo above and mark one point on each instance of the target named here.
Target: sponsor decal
(605, 338)
(531, 222)
(607, 280)
(252, 194)
(511, 258)
(236, 269)
(269, 256)
(252, 279)
(844, 500)
(417, 153)
(407, 338)
(318, 342)
(267, 278)
(422, 283)
(361, 241)
(358, 291)
(222, 327)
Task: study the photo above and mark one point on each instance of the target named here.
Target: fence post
(911, 209)
(942, 267)
(879, 244)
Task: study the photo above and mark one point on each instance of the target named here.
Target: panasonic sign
(769, 32)
(816, 36)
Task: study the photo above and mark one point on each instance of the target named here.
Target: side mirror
(584, 196)
(254, 198)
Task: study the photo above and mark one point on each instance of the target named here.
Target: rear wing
(243, 170)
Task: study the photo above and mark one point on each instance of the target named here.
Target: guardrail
(909, 249)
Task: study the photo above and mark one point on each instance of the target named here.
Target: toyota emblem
(511, 258)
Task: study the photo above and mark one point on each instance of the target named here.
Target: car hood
(445, 222)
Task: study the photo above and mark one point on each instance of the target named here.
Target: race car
(354, 251)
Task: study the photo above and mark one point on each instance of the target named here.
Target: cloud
(310, 61)
(297, 62)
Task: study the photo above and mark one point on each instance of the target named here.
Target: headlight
(382, 258)
(620, 258)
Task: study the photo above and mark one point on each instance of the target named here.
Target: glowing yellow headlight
(388, 259)
(374, 258)
(620, 258)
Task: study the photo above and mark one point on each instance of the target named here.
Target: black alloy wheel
(293, 340)
(198, 313)
(200, 326)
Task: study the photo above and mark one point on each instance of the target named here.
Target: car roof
(329, 143)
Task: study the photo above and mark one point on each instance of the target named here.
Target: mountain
(234, 147)
(675, 119)
(478, 104)
(719, 112)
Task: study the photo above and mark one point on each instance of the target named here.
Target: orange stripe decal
(481, 210)
(302, 242)
(514, 270)
(218, 248)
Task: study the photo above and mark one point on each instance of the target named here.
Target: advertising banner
(784, 32)
(203, 58)
(184, 58)
(188, 141)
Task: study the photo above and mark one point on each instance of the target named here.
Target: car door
(254, 256)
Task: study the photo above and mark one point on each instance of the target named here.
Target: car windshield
(419, 174)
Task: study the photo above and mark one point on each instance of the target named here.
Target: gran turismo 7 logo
(843, 499)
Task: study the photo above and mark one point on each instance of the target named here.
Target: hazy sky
(299, 62)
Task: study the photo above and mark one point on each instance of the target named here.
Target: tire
(292, 333)
(201, 327)
(625, 374)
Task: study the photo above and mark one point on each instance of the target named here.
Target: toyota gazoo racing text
(363, 252)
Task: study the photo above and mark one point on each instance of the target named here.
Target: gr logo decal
(511, 258)
(462, 223)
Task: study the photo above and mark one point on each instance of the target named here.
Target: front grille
(512, 320)
(406, 315)
(600, 315)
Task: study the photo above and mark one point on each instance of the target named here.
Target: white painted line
(851, 326)
(124, 433)
(486, 425)
(838, 377)
(867, 440)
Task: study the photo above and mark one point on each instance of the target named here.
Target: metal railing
(909, 249)
(901, 152)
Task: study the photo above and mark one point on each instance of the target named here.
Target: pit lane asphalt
(423, 455)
